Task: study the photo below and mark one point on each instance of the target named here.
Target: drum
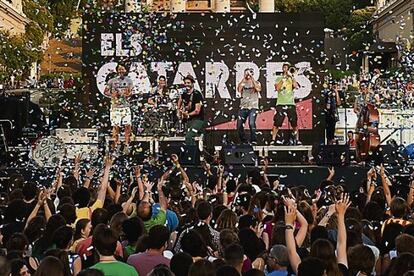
(49, 152)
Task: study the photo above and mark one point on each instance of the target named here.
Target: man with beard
(190, 108)
(119, 89)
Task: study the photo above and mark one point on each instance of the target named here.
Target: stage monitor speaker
(188, 155)
(239, 155)
(333, 155)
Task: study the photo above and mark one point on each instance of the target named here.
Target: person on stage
(120, 90)
(249, 88)
(332, 101)
(368, 117)
(285, 105)
(191, 109)
(159, 93)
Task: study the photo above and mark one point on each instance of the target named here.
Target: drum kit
(159, 119)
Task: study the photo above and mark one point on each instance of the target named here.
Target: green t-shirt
(159, 219)
(116, 269)
(286, 95)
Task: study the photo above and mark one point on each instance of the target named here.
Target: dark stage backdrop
(215, 48)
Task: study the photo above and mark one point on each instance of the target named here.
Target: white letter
(184, 69)
(161, 68)
(138, 74)
(102, 74)
(118, 44)
(305, 85)
(272, 70)
(217, 73)
(106, 44)
(136, 45)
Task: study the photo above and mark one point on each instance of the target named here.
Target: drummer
(159, 94)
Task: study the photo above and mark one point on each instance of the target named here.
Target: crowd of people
(89, 223)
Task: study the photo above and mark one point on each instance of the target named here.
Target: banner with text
(215, 49)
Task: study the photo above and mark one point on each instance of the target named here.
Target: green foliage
(38, 13)
(63, 11)
(358, 29)
(14, 54)
(339, 74)
(34, 34)
(335, 12)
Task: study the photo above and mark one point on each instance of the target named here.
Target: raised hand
(148, 185)
(174, 159)
(342, 204)
(288, 201)
(90, 172)
(77, 159)
(109, 160)
(134, 192)
(331, 171)
(290, 215)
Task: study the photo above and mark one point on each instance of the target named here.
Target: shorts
(120, 116)
(285, 110)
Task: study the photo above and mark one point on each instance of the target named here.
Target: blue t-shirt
(172, 219)
(278, 273)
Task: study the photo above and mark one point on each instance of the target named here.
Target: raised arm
(161, 196)
(331, 211)
(331, 173)
(290, 217)
(385, 185)
(257, 85)
(76, 168)
(137, 173)
(88, 177)
(176, 162)
(341, 206)
(105, 179)
(40, 201)
(127, 204)
(240, 87)
(303, 230)
(117, 190)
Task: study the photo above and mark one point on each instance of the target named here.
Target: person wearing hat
(332, 100)
(278, 261)
(249, 88)
(285, 105)
(190, 108)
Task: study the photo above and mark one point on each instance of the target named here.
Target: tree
(39, 14)
(358, 29)
(335, 12)
(63, 11)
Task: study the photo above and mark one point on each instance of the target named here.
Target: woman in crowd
(178, 225)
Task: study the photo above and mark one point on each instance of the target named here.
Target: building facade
(394, 20)
(12, 18)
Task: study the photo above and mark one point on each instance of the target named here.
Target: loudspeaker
(332, 155)
(239, 155)
(188, 155)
